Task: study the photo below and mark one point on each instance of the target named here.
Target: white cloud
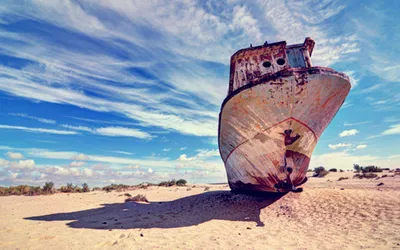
(166, 149)
(39, 130)
(150, 170)
(353, 79)
(123, 152)
(207, 152)
(76, 164)
(80, 128)
(292, 20)
(183, 148)
(340, 160)
(243, 20)
(350, 132)
(347, 104)
(183, 157)
(393, 130)
(379, 102)
(23, 164)
(87, 172)
(14, 155)
(43, 120)
(78, 157)
(361, 146)
(339, 145)
(190, 32)
(355, 123)
(130, 167)
(3, 162)
(121, 131)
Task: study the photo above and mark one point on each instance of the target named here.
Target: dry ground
(328, 214)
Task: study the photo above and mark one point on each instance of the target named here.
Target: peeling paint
(274, 115)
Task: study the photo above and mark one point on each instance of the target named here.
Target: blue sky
(129, 91)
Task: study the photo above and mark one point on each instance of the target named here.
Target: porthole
(267, 64)
(280, 61)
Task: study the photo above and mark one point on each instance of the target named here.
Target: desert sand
(328, 214)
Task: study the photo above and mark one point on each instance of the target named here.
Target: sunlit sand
(328, 214)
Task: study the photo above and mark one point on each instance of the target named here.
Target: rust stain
(274, 114)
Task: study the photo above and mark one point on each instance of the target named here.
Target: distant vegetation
(138, 197)
(333, 170)
(27, 190)
(320, 172)
(367, 172)
(180, 182)
(75, 189)
(48, 188)
(367, 169)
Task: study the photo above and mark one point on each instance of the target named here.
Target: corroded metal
(277, 107)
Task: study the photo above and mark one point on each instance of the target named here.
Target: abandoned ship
(276, 109)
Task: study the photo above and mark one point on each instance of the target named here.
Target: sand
(328, 214)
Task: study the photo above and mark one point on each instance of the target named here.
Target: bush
(181, 182)
(365, 175)
(128, 195)
(320, 172)
(96, 189)
(167, 183)
(343, 178)
(333, 170)
(48, 188)
(357, 168)
(367, 169)
(85, 187)
(138, 197)
(341, 171)
(117, 187)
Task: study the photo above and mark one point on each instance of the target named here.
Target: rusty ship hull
(270, 122)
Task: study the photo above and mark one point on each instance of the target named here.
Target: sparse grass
(117, 187)
(343, 178)
(138, 197)
(365, 175)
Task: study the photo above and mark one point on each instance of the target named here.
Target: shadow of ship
(183, 212)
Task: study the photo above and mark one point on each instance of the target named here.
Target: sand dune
(328, 214)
